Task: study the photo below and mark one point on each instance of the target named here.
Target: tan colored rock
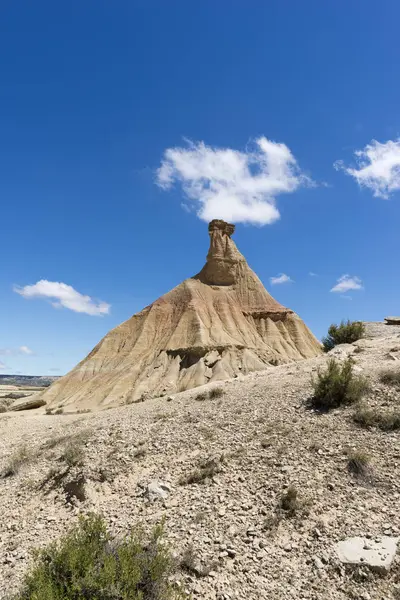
(28, 403)
(213, 326)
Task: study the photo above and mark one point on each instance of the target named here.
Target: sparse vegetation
(191, 564)
(338, 385)
(388, 420)
(289, 501)
(73, 453)
(358, 464)
(20, 457)
(206, 470)
(345, 333)
(390, 378)
(140, 452)
(87, 563)
(216, 392)
(291, 504)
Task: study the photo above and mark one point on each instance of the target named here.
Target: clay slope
(213, 326)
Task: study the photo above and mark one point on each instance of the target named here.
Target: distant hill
(28, 380)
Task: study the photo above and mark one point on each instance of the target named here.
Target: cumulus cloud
(281, 278)
(25, 350)
(223, 183)
(346, 283)
(63, 295)
(378, 167)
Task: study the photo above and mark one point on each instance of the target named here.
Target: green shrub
(373, 417)
(337, 385)
(87, 564)
(390, 378)
(345, 333)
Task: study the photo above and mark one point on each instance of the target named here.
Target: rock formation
(215, 325)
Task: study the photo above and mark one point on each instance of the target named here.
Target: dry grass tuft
(20, 457)
(206, 471)
(358, 464)
(388, 420)
(389, 377)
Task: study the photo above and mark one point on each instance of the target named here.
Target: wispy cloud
(346, 283)
(63, 295)
(378, 167)
(312, 274)
(223, 183)
(281, 278)
(2, 366)
(346, 297)
(13, 351)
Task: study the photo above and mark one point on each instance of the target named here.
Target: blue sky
(93, 96)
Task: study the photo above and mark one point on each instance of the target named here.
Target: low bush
(358, 464)
(388, 420)
(20, 457)
(87, 564)
(337, 385)
(345, 333)
(206, 470)
(390, 378)
(289, 501)
(216, 393)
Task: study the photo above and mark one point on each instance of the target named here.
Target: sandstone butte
(214, 326)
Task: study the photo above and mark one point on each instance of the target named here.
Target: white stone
(374, 554)
(157, 489)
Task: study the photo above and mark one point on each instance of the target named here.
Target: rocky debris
(376, 553)
(28, 403)
(221, 323)
(263, 439)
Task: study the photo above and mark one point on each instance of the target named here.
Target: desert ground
(257, 437)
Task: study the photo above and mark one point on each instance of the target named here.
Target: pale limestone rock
(376, 553)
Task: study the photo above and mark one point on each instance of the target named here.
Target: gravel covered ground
(257, 439)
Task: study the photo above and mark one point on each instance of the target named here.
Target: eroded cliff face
(216, 325)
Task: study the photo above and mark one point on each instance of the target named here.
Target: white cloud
(281, 278)
(25, 350)
(311, 274)
(378, 167)
(2, 366)
(223, 183)
(64, 295)
(13, 351)
(346, 283)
